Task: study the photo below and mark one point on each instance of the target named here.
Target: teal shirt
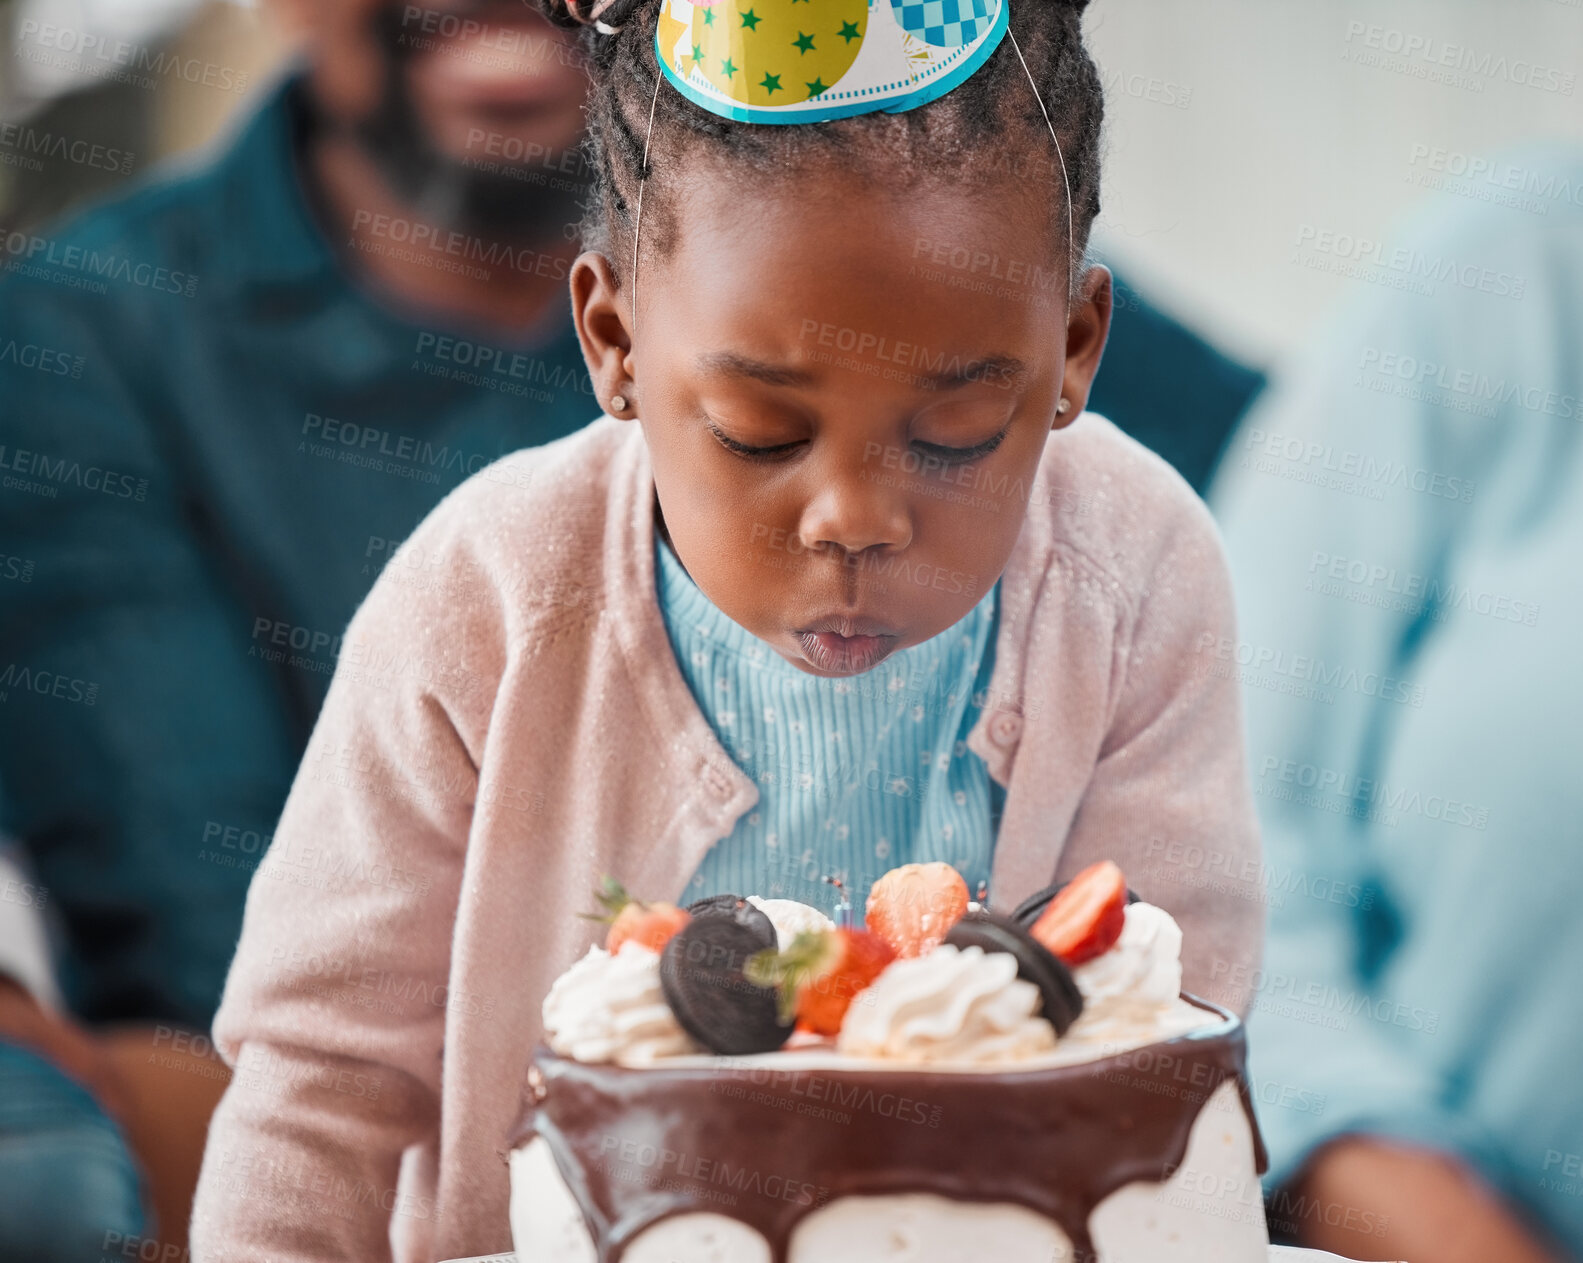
(211, 441)
(856, 775)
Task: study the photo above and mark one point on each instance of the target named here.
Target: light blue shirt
(1404, 521)
(855, 775)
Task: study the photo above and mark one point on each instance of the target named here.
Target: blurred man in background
(224, 400)
(1403, 517)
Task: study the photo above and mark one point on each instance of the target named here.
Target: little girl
(844, 579)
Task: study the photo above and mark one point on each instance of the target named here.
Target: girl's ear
(601, 313)
(1087, 328)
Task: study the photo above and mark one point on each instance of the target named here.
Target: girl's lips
(844, 655)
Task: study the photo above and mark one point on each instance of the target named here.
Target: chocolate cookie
(740, 910)
(702, 975)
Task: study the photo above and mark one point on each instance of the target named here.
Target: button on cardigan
(507, 723)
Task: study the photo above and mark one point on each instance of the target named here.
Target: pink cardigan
(507, 723)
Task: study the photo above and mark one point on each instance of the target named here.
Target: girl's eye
(948, 455)
(965, 455)
(743, 449)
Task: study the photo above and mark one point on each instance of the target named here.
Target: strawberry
(1086, 918)
(914, 907)
(819, 973)
(631, 920)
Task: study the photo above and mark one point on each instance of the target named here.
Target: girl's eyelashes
(949, 455)
(966, 455)
(742, 449)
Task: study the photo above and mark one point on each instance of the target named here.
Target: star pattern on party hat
(791, 48)
(805, 60)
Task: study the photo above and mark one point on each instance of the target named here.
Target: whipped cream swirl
(953, 1004)
(791, 918)
(1129, 988)
(612, 1008)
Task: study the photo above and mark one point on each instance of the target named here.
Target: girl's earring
(1062, 408)
(618, 403)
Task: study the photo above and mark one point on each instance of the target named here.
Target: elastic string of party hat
(593, 18)
(1066, 183)
(643, 179)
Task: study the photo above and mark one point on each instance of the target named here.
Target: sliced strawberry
(914, 907)
(651, 924)
(819, 973)
(631, 920)
(1087, 917)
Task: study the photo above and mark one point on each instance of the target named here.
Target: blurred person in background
(1404, 517)
(225, 399)
(1168, 386)
(67, 1175)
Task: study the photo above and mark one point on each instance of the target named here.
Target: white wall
(1233, 123)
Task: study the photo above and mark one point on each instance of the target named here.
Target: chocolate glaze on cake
(768, 1146)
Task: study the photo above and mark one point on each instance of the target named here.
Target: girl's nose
(855, 513)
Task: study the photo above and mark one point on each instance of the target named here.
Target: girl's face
(845, 393)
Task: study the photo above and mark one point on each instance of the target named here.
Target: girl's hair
(988, 129)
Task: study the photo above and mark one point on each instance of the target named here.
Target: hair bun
(607, 16)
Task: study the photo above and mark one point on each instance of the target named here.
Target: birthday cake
(745, 1081)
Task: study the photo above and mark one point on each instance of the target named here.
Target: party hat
(801, 61)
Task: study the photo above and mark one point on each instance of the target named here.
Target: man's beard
(516, 201)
